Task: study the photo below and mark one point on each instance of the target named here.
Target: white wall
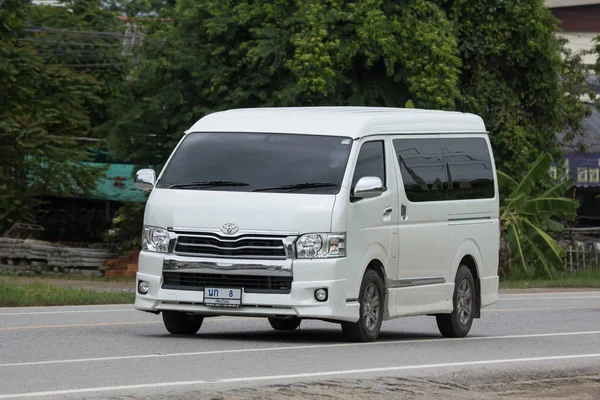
(570, 3)
(579, 41)
(48, 3)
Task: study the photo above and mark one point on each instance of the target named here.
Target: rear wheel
(458, 323)
(180, 323)
(371, 298)
(285, 324)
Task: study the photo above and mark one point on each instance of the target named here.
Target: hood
(204, 209)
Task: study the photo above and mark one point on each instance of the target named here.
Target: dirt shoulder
(571, 388)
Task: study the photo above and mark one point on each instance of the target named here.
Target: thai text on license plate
(220, 297)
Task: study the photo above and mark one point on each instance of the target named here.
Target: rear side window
(470, 174)
(370, 162)
(422, 168)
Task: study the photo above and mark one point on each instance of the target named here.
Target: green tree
(125, 232)
(216, 55)
(44, 107)
(596, 52)
(497, 58)
(519, 77)
(527, 213)
(500, 59)
(87, 38)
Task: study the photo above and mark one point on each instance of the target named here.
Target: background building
(580, 24)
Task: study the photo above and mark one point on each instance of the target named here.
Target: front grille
(250, 284)
(243, 246)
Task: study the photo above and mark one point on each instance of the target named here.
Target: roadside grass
(17, 294)
(565, 280)
(67, 277)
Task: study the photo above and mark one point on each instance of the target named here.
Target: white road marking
(542, 294)
(67, 312)
(549, 298)
(88, 325)
(61, 307)
(295, 376)
(519, 309)
(288, 348)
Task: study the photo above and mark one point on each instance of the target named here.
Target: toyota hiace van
(352, 215)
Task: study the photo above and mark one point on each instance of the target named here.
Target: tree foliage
(519, 77)
(500, 59)
(528, 213)
(216, 55)
(44, 107)
(87, 38)
(497, 58)
(596, 51)
(124, 234)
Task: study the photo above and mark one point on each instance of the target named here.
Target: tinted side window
(370, 162)
(470, 174)
(422, 168)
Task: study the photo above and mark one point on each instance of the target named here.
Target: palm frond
(559, 207)
(538, 170)
(550, 250)
(559, 189)
(505, 180)
(513, 233)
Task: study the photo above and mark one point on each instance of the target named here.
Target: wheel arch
(469, 262)
(377, 266)
(469, 255)
(374, 258)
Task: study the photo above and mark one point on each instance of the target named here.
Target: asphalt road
(114, 351)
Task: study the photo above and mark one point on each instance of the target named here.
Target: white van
(352, 215)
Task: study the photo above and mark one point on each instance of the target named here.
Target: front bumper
(308, 276)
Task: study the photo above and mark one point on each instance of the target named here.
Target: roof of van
(351, 122)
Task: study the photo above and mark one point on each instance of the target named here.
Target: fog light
(321, 294)
(143, 287)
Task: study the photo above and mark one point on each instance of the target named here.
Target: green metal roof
(117, 184)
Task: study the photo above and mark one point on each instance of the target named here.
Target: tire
(285, 324)
(180, 323)
(371, 300)
(458, 323)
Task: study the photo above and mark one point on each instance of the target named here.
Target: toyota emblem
(230, 228)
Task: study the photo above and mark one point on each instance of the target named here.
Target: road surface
(114, 351)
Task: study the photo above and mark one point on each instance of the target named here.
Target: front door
(373, 223)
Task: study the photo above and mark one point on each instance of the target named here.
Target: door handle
(387, 211)
(403, 211)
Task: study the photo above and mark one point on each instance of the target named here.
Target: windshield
(262, 162)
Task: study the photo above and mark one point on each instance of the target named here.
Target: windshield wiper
(298, 186)
(204, 184)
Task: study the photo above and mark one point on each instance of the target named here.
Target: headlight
(321, 245)
(155, 239)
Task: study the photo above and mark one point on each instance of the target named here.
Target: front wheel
(285, 324)
(371, 299)
(180, 323)
(458, 323)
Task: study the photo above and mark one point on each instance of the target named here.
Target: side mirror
(368, 187)
(145, 179)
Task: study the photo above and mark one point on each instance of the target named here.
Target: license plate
(219, 297)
